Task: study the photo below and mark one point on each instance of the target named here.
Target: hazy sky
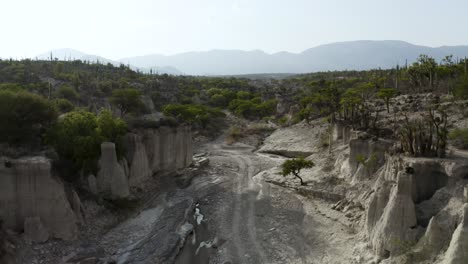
(121, 28)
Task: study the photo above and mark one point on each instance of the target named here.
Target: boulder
(28, 189)
(457, 253)
(111, 180)
(393, 233)
(34, 230)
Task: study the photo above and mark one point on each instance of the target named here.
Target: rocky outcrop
(465, 193)
(135, 152)
(394, 232)
(366, 156)
(28, 190)
(301, 139)
(111, 180)
(377, 205)
(34, 230)
(429, 176)
(457, 253)
(147, 152)
(163, 242)
(164, 150)
(433, 237)
(341, 132)
(7, 247)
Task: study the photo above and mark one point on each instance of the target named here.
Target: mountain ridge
(345, 55)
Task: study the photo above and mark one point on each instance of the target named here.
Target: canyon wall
(415, 205)
(146, 152)
(31, 196)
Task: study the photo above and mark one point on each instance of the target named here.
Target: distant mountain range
(71, 54)
(351, 55)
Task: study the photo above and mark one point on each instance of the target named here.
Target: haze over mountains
(352, 55)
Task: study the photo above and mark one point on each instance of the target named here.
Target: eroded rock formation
(111, 180)
(161, 150)
(366, 156)
(149, 151)
(28, 190)
(136, 154)
(457, 253)
(394, 232)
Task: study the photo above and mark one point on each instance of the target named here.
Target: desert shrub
(459, 137)
(127, 101)
(425, 136)
(461, 88)
(220, 97)
(283, 121)
(64, 106)
(110, 128)
(253, 109)
(235, 133)
(13, 87)
(67, 92)
(78, 135)
(194, 114)
(24, 116)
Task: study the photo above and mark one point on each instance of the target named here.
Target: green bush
(193, 114)
(13, 87)
(461, 88)
(24, 116)
(459, 137)
(127, 101)
(64, 106)
(253, 109)
(67, 92)
(78, 135)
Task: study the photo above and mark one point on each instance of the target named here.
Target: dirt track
(256, 222)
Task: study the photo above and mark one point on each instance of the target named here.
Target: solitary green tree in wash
(294, 167)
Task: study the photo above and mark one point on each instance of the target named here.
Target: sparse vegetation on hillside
(459, 137)
(24, 117)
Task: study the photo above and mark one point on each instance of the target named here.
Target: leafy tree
(294, 167)
(350, 101)
(23, 116)
(126, 100)
(75, 138)
(78, 135)
(386, 94)
(110, 128)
